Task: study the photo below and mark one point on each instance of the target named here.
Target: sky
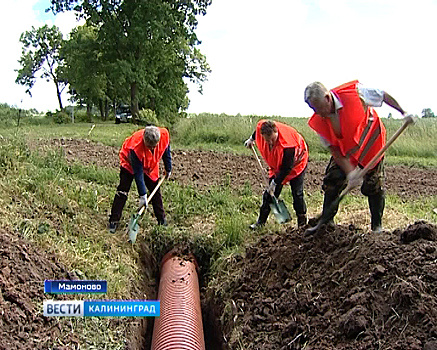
(19, 16)
(264, 53)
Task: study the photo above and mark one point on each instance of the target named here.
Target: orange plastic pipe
(179, 326)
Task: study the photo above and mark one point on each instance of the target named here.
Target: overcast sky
(264, 53)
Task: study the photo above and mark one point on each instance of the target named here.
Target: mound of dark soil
(345, 289)
(23, 270)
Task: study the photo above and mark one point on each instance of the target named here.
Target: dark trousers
(299, 204)
(335, 182)
(123, 188)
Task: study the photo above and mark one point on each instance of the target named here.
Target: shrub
(147, 116)
(60, 117)
(81, 116)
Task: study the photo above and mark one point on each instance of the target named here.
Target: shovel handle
(407, 121)
(266, 180)
(151, 195)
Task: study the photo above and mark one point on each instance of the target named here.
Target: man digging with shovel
(139, 158)
(348, 125)
(286, 154)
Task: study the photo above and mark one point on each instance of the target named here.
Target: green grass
(107, 133)
(417, 145)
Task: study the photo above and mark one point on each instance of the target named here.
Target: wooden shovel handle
(266, 179)
(151, 195)
(407, 121)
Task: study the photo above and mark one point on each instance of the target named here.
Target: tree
(84, 68)
(148, 45)
(427, 113)
(41, 52)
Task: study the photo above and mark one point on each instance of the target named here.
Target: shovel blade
(280, 210)
(133, 228)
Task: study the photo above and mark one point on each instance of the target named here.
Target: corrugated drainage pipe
(179, 327)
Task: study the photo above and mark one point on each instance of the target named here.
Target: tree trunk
(106, 108)
(88, 112)
(134, 101)
(101, 109)
(58, 92)
(153, 103)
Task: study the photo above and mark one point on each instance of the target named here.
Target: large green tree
(85, 69)
(149, 45)
(41, 54)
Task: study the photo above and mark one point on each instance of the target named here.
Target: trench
(141, 335)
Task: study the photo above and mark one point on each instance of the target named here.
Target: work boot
(162, 222)
(112, 227)
(301, 220)
(263, 215)
(376, 206)
(330, 224)
(256, 225)
(377, 229)
(330, 203)
(315, 231)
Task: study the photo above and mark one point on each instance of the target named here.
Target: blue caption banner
(75, 287)
(121, 308)
(102, 308)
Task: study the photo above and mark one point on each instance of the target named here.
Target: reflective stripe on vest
(376, 134)
(362, 138)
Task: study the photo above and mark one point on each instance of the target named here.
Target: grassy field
(64, 208)
(417, 146)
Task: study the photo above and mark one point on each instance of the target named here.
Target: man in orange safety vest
(349, 126)
(286, 154)
(139, 159)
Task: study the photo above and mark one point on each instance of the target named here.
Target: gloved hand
(272, 187)
(249, 142)
(167, 174)
(354, 178)
(142, 202)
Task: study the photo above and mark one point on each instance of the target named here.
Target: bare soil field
(344, 289)
(202, 169)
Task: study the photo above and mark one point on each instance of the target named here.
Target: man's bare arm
(389, 100)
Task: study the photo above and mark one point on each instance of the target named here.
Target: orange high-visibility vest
(288, 137)
(150, 161)
(362, 130)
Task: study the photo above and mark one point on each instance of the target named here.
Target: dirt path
(205, 168)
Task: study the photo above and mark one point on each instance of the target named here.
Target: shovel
(278, 206)
(133, 224)
(329, 213)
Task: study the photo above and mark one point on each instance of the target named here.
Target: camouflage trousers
(335, 182)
